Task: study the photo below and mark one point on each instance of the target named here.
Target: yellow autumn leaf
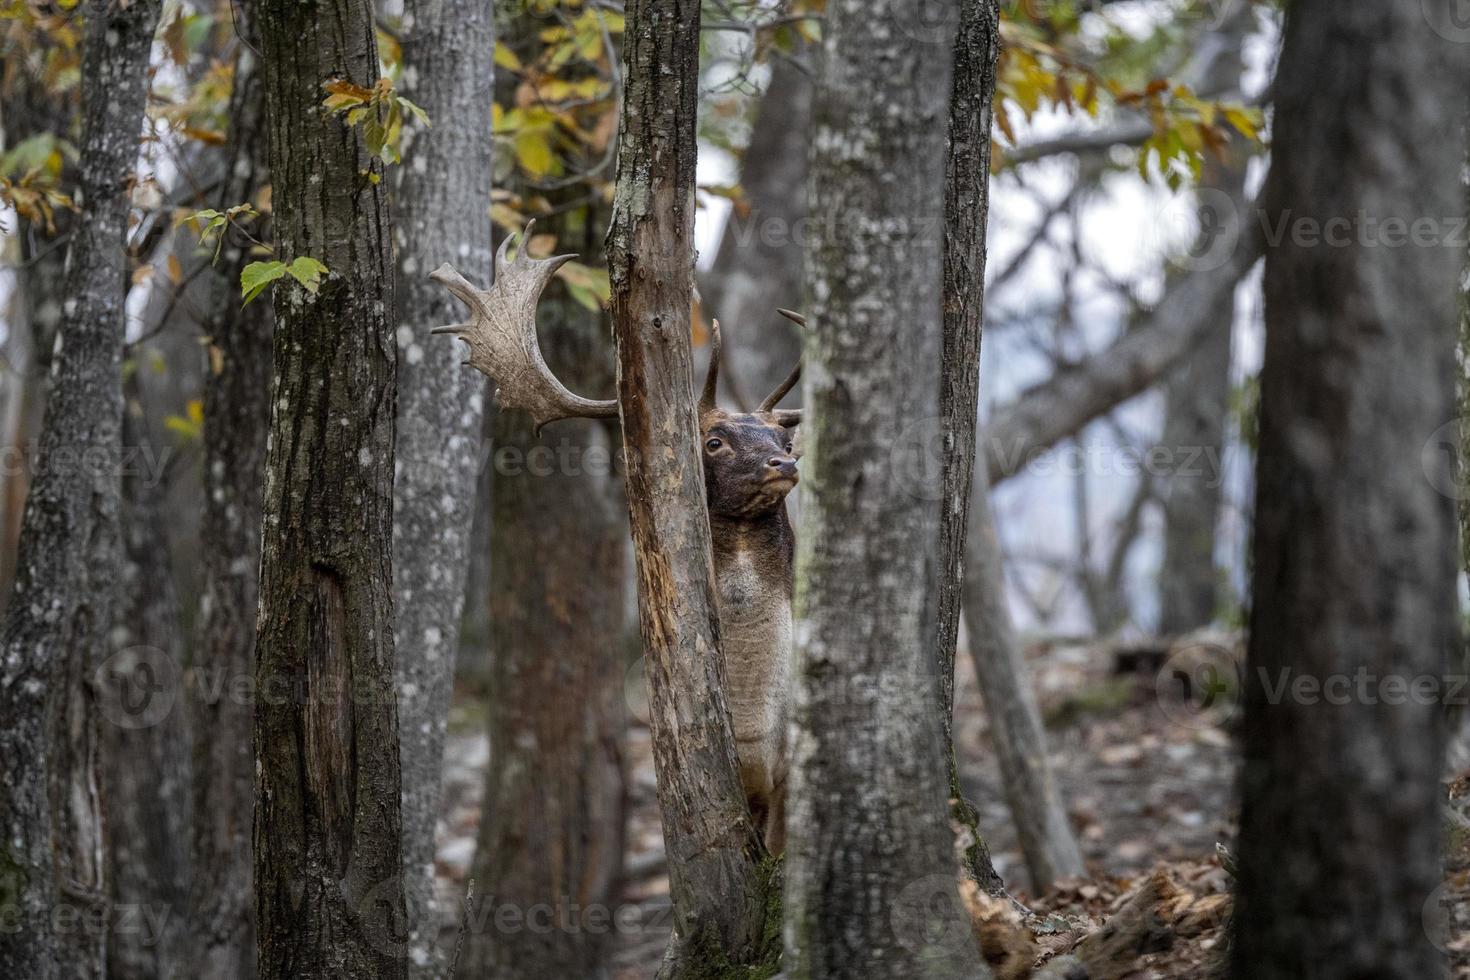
(533, 153)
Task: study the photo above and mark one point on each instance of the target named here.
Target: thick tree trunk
(56, 632)
(1354, 555)
(145, 767)
(444, 215)
(551, 837)
(237, 398)
(759, 263)
(328, 873)
(871, 886)
(1047, 842)
(966, 210)
(718, 870)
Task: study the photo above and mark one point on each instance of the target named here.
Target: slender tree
(1354, 550)
(328, 872)
(56, 632)
(443, 205)
(145, 767)
(871, 886)
(758, 266)
(1197, 397)
(1047, 842)
(966, 210)
(718, 873)
(237, 398)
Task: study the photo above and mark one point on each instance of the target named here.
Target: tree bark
(237, 398)
(871, 887)
(1354, 551)
(444, 213)
(551, 837)
(56, 632)
(718, 869)
(145, 767)
(966, 211)
(328, 871)
(1047, 842)
(759, 263)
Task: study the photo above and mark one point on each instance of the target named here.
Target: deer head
(749, 457)
(748, 461)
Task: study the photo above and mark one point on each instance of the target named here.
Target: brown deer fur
(749, 468)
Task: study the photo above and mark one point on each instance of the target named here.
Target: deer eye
(712, 444)
(788, 447)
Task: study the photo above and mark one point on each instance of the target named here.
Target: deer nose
(784, 465)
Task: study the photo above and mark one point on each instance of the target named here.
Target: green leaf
(258, 275)
(307, 271)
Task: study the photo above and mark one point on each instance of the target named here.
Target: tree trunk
(328, 873)
(1354, 585)
(966, 210)
(1197, 398)
(871, 885)
(145, 767)
(718, 870)
(56, 633)
(1047, 842)
(237, 399)
(759, 263)
(551, 837)
(444, 214)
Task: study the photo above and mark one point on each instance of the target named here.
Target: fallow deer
(749, 469)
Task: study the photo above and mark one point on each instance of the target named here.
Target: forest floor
(1148, 782)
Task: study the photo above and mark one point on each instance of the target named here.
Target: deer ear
(787, 418)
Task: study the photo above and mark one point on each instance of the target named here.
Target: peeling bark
(871, 886)
(717, 875)
(55, 634)
(444, 215)
(1354, 545)
(328, 870)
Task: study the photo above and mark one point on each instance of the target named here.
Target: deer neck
(763, 548)
(753, 570)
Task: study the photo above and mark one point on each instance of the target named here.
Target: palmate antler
(501, 335)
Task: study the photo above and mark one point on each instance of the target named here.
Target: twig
(464, 927)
